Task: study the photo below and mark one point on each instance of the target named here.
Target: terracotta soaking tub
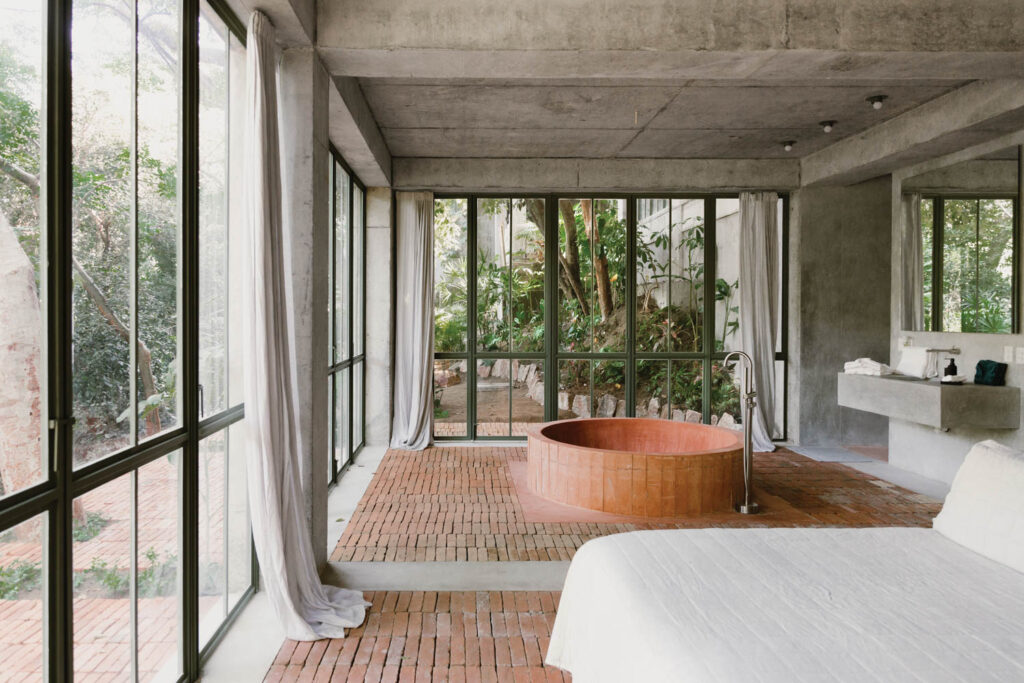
(636, 466)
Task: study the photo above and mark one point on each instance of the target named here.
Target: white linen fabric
(759, 304)
(918, 361)
(307, 609)
(414, 330)
(710, 605)
(866, 366)
(912, 310)
(984, 510)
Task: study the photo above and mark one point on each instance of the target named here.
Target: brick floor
(426, 636)
(460, 504)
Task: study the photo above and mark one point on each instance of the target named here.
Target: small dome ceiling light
(788, 145)
(877, 100)
(827, 126)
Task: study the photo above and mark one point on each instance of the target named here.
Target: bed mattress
(884, 604)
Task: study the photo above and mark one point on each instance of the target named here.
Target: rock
(678, 415)
(727, 420)
(500, 368)
(563, 400)
(483, 370)
(641, 411)
(663, 413)
(537, 392)
(714, 419)
(581, 405)
(532, 376)
(462, 366)
(653, 406)
(620, 408)
(524, 370)
(440, 378)
(693, 416)
(514, 370)
(606, 406)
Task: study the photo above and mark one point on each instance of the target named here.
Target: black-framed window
(500, 323)
(125, 546)
(346, 317)
(969, 247)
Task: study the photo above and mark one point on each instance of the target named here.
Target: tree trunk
(602, 281)
(570, 260)
(20, 396)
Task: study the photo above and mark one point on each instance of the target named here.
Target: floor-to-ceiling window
(346, 315)
(632, 301)
(124, 529)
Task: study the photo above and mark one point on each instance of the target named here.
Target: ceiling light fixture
(877, 100)
(788, 145)
(827, 126)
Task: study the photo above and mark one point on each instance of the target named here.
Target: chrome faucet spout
(749, 396)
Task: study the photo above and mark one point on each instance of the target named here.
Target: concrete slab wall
(841, 237)
(379, 298)
(305, 162)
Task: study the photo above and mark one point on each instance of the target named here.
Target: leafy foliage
(18, 577)
(89, 527)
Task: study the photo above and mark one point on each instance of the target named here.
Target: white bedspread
(788, 605)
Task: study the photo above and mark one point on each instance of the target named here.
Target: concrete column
(305, 161)
(840, 310)
(378, 316)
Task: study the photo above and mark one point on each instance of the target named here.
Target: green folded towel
(990, 372)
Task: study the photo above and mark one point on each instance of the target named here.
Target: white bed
(888, 604)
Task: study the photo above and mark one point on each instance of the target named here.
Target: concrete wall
(378, 316)
(840, 250)
(922, 449)
(305, 162)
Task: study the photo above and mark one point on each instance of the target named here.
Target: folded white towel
(917, 361)
(866, 366)
(956, 379)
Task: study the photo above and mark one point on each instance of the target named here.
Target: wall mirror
(962, 245)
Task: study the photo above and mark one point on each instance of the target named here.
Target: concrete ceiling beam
(970, 115)
(595, 175)
(355, 133)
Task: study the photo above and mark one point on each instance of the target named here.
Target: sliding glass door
(124, 528)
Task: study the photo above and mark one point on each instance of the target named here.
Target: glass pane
(22, 587)
(609, 389)
(357, 405)
(604, 222)
(212, 591)
(450, 231)
(341, 417)
(927, 249)
(358, 270)
(574, 389)
(726, 408)
(652, 290)
(527, 394)
(450, 389)
(727, 275)
(102, 196)
(342, 267)
(959, 264)
(239, 533)
(492, 397)
(686, 386)
(493, 241)
(22, 367)
(101, 553)
(158, 225)
(652, 388)
(330, 429)
(330, 269)
(238, 238)
(993, 310)
(686, 275)
(575, 294)
(528, 274)
(158, 577)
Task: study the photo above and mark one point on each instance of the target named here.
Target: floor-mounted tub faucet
(748, 396)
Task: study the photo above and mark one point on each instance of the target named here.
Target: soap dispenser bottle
(950, 369)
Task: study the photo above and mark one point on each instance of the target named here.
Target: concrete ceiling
(590, 118)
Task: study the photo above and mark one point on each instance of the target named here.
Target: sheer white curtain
(414, 332)
(759, 303)
(912, 258)
(307, 609)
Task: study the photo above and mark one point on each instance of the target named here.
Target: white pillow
(984, 510)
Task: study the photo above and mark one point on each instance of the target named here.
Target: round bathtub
(636, 466)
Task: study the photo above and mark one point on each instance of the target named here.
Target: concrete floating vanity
(929, 402)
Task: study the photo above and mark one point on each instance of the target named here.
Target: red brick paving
(462, 637)
(460, 504)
